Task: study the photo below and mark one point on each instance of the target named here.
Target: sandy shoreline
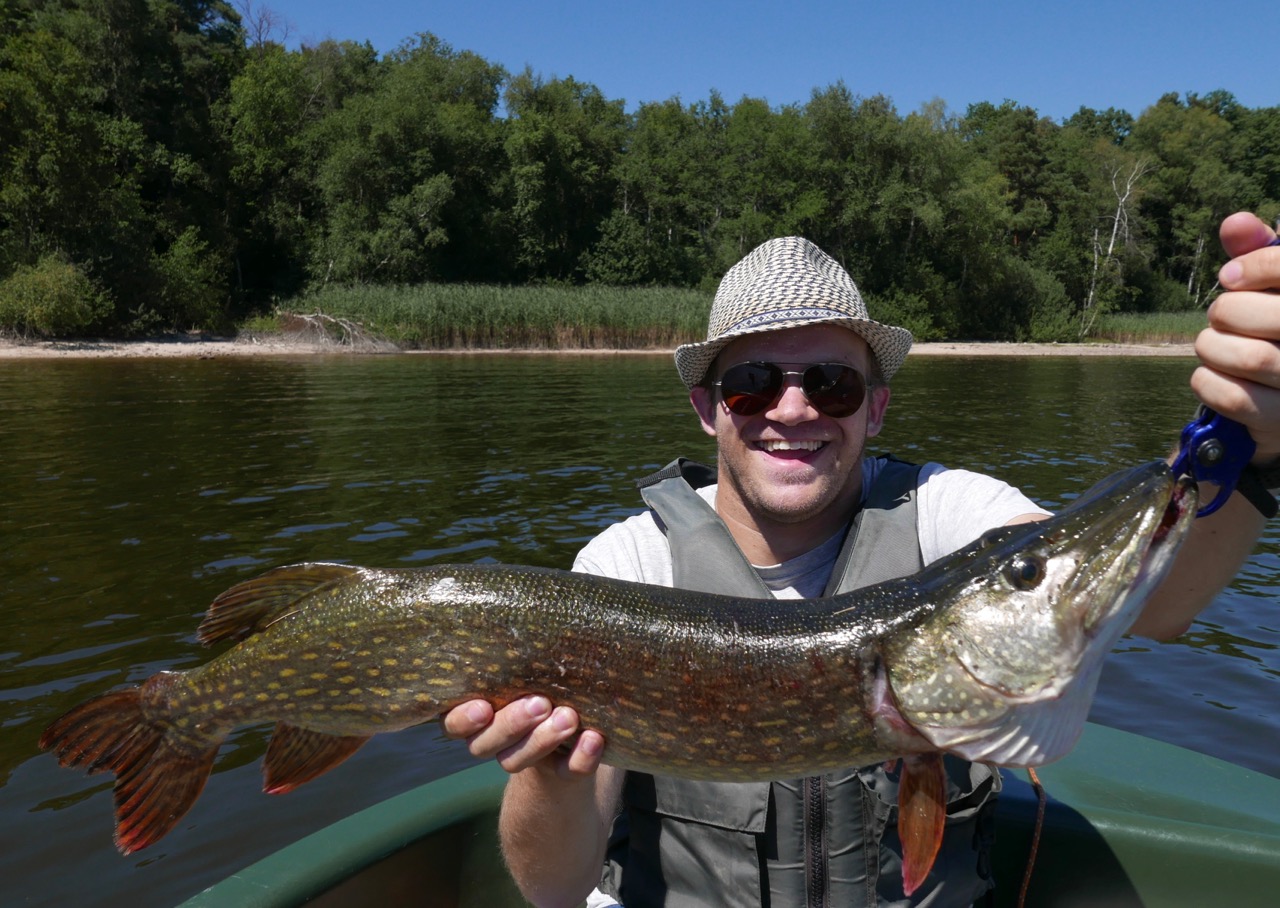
(205, 347)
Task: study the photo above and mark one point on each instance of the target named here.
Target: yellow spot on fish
(288, 672)
(310, 655)
(445, 666)
(307, 691)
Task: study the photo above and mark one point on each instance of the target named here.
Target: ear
(877, 403)
(704, 403)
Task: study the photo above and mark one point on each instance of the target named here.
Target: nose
(792, 406)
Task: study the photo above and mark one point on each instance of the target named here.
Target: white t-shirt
(954, 507)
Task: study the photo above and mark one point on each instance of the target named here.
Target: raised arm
(1239, 376)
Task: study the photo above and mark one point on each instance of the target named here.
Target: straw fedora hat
(787, 283)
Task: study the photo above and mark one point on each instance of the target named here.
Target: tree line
(165, 164)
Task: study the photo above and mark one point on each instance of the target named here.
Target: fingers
(1240, 359)
(1240, 378)
(467, 719)
(527, 732)
(1244, 232)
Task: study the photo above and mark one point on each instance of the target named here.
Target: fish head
(1004, 669)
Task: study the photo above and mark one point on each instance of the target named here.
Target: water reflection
(135, 491)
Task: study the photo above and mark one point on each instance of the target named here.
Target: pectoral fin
(922, 815)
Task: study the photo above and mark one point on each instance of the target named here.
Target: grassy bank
(471, 316)
(1149, 327)
(462, 316)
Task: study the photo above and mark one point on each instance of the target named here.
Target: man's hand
(525, 733)
(1239, 375)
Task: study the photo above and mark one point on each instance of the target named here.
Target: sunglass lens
(836, 390)
(748, 388)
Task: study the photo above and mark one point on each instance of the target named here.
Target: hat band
(785, 315)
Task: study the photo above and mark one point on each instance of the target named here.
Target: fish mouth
(1164, 540)
(1006, 673)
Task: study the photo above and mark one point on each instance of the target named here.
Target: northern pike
(991, 653)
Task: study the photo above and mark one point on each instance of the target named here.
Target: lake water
(135, 491)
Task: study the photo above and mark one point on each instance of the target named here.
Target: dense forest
(168, 164)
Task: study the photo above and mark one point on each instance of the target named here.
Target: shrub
(51, 298)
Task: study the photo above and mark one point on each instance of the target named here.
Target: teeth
(790, 445)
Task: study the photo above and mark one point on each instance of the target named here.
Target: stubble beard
(789, 503)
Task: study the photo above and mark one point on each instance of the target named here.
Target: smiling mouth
(773, 446)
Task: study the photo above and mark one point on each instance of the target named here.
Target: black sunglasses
(834, 389)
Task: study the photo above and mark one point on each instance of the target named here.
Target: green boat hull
(1130, 822)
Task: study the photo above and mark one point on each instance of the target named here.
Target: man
(791, 382)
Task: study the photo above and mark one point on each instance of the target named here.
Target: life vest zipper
(815, 842)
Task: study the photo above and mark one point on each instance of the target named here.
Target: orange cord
(1035, 835)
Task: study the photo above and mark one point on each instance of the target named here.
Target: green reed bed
(1149, 327)
(473, 316)
(453, 316)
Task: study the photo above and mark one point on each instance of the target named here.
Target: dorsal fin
(250, 606)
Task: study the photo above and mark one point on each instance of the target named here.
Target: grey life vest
(822, 841)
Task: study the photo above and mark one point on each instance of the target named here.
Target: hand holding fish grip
(1218, 450)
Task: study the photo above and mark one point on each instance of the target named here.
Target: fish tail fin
(157, 779)
(922, 816)
(297, 755)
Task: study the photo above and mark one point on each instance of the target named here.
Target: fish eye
(1025, 572)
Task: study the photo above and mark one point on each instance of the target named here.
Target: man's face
(790, 463)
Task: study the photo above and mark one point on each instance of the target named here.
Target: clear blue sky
(1053, 56)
